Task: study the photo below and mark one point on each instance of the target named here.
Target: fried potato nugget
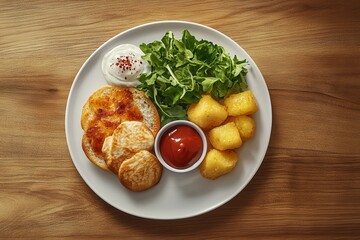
(243, 103)
(225, 137)
(218, 163)
(245, 125)
(207, 113)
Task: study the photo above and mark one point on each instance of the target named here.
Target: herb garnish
(184, 69)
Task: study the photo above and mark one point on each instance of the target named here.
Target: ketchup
(181, 146)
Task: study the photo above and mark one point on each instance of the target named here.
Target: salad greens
(184, 69)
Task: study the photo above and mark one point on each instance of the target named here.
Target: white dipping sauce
(123, 64)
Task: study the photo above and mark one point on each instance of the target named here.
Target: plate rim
(205, 210)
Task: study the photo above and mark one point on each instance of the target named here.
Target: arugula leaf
(184, 69)
(208, 83)
(189, 40)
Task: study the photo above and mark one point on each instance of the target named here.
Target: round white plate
(177, 195)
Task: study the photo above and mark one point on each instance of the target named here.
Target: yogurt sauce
(123, 64)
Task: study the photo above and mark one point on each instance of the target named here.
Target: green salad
(184, 69)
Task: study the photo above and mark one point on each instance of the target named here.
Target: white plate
(177, 195)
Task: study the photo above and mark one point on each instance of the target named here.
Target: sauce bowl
(168, 131)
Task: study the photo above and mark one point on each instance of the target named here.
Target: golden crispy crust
(128, 138)
(97, 160)
(105, 109)
(114, 161)
(87, 112)
(134, 136)
(141, 172)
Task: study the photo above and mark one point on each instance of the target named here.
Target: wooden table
(308, 186)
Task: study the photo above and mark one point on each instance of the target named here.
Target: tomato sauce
(181, 146)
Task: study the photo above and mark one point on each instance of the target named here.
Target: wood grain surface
(308, 186)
